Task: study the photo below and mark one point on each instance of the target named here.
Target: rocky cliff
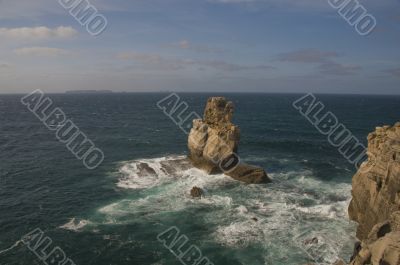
(213, 144)
(375, 205)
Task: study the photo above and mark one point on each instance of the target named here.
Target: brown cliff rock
(376, 185)
(375, 205)
(382, 246)
(214, 138)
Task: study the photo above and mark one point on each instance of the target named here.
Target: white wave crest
(75, 225)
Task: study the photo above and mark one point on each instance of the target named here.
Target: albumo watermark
(328, 124)
(355, 14)
(41, 246)
(65, 129)
(178, 245)
(87, 15)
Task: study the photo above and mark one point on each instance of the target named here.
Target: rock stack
(213, 144)
(375, 205)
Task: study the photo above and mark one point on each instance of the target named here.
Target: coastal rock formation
(214, 137)
(382, 246)
(249, 174)
(196, 192)
(213, 144)
(375, 205)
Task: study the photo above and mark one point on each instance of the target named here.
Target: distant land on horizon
(88, 91)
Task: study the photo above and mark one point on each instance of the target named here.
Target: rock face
(214, 139)
(375, 205)
(382, 245)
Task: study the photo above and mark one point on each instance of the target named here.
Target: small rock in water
(310, 241)
(196, 192)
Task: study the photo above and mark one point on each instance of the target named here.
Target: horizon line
(93, 92)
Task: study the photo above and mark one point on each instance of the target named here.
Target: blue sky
(199, 45)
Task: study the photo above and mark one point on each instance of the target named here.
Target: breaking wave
(283, 216)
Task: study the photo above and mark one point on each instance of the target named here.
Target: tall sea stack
(213, 144)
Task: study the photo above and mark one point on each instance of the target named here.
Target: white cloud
(188, 45)
(37, 33)
(156, 61)
(40, 51)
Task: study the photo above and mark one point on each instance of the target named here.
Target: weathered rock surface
(382, 246)
(249, 174)
(376, 185)
(214, 138)
(375, 205)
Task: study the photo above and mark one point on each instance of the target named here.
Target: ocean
(112, 215)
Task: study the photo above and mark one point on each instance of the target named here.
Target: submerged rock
(213, 144)
(311, 241)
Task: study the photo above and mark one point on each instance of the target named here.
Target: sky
(280, 46)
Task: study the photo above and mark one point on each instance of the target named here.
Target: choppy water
(112, 215)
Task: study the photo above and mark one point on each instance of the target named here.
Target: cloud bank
(40, 51)
(37, 33)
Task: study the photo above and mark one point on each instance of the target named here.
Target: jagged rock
(249, 174)
(196, 192)
(356, 250)
(144, 168)
(215, 138)
(382, 246)
(376, 200)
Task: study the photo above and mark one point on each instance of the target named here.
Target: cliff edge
(375, 203)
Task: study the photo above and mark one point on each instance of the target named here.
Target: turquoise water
(112, 215)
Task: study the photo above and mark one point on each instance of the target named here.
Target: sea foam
(279, 216)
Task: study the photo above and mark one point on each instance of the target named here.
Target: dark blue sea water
(112, 215)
